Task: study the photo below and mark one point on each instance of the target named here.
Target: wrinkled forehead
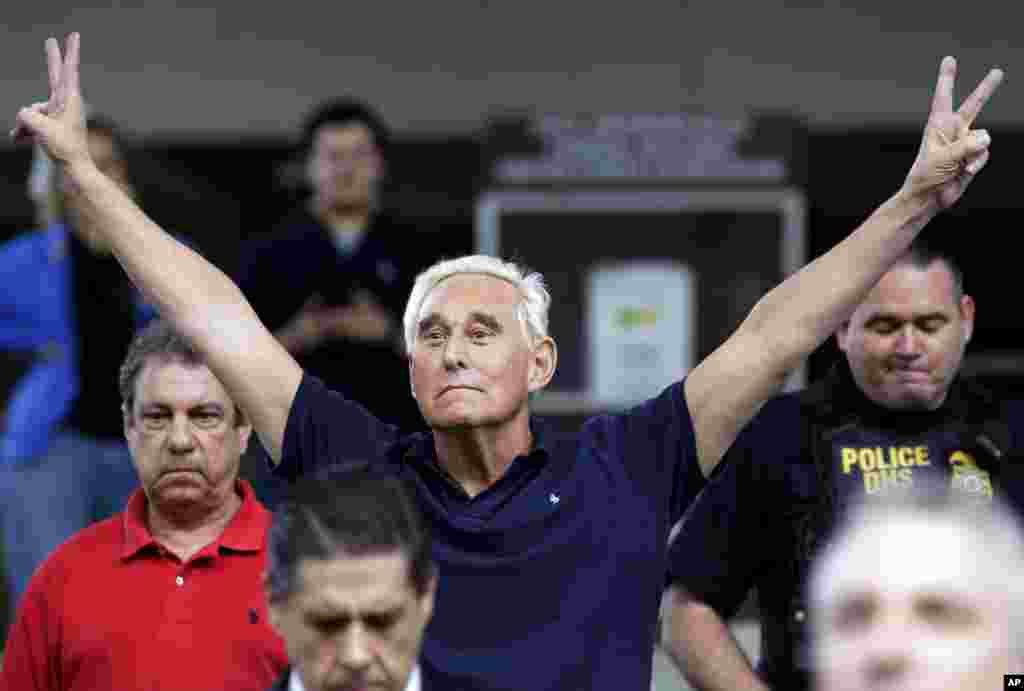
(167, 377)
(458, 296)
(904, 557)
(909, 289)
(378, 579)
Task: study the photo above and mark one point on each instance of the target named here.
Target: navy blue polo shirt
(552, 577)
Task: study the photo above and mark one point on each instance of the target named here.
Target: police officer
(892, 415)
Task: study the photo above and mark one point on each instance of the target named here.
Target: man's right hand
(58, 125)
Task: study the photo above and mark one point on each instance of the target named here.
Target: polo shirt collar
(422, 446)
(422, 452)
(245, 532)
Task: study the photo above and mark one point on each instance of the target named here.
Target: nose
(354, 648)
(887, 654)
(887, 668)
(454, 353)
(180, 438)
(908, 342)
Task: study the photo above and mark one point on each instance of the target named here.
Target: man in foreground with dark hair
(350, 582)
(893, 414)
(167, 594)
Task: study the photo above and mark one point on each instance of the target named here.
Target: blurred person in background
(331, 281)
(920, 592)
(64, 297)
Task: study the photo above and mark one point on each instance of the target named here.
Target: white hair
(993, 531)
(532, 309)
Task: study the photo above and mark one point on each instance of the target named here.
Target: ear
(380, 163)
(427, 599)
(126, 419)
(967, 317)
(842, 333)
(412, 387)
(543, 361)
(244, 434)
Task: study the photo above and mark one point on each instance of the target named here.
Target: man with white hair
(920, 594)
(551, 553)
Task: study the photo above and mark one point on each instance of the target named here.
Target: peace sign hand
(58, 124)
(951, 153)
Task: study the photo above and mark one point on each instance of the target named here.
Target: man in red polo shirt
(169, 593)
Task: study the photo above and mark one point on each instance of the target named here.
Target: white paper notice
(640, 323)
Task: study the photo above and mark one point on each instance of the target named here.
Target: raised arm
(195, 296)
(788, 323)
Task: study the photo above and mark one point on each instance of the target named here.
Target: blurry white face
(910, 605)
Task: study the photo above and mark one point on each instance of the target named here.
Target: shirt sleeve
(730, 532)
(31, 660)
(324, 428)
(23, 262)
(657, 445)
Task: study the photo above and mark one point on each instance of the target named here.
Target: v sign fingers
(942, 98)
(54, 67)
(59, 124)
(973, 104)
(940, 172)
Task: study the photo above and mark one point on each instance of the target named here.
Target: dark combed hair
(346, 111)
(157, 339)
(350, 509)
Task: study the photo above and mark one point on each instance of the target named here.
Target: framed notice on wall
(644, 283)
(640, 324)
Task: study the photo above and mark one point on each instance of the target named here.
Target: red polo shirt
(112, 609)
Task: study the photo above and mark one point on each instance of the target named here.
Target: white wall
(256, 66)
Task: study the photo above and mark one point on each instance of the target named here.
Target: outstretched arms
(727, 389)
(195, 296)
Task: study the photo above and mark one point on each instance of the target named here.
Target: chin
(454, 423)
(454, 420)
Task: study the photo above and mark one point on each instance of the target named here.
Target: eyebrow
(198, 407)
(890, 317)
(482, 318)
(488, 320)
(430, 321)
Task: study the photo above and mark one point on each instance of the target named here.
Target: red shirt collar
(246, 532)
